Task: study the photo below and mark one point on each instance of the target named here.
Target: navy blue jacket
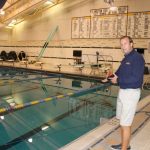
(130, 72)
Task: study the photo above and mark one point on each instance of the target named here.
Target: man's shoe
(118, 147)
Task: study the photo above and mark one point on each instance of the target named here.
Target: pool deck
(66, 69)
(103, 136)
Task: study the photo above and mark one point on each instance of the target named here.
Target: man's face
(126, 46)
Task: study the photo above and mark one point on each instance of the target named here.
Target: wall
(5, 34)
(61, 15)
(32, 33)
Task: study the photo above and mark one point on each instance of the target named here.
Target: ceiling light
(11, 25)
(49, 2)
(14, 21)
(2, 12)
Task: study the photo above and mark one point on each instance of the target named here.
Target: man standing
(130, 78)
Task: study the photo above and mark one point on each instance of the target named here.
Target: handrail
(50, 37)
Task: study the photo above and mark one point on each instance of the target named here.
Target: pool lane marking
(19, 106)
(35, 102)
(16, 80)
(37, 130)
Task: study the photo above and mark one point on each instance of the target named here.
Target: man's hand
(114, 79)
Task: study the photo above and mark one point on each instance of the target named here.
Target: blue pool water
(64, 118)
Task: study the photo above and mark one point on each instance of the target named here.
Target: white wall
(5, 34)
(39, 26)
(35, 30)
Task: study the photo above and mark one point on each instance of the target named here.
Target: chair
(4, 55)
(23, 58)
(1, 60)
(12, 57)
(78, 63)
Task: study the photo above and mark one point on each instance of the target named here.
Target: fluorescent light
(2, 12)
(49, 2)
(10, 25)
(14, 21)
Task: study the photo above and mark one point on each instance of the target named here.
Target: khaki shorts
(126, 105)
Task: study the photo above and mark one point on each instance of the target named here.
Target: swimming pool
(45, 111)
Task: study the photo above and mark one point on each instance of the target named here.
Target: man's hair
(128, 37)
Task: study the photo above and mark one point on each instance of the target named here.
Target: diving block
(59, 67)
(1, 60)
(79, 66)
(24, 62)
(11, 61)
(39, 63)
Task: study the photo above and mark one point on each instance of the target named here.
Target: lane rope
(58, 97)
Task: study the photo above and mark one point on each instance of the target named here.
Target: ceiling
(9, 3)
(18, 10)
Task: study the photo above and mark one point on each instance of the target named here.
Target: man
(130, 78)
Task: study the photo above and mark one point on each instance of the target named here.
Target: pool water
(51, 124)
